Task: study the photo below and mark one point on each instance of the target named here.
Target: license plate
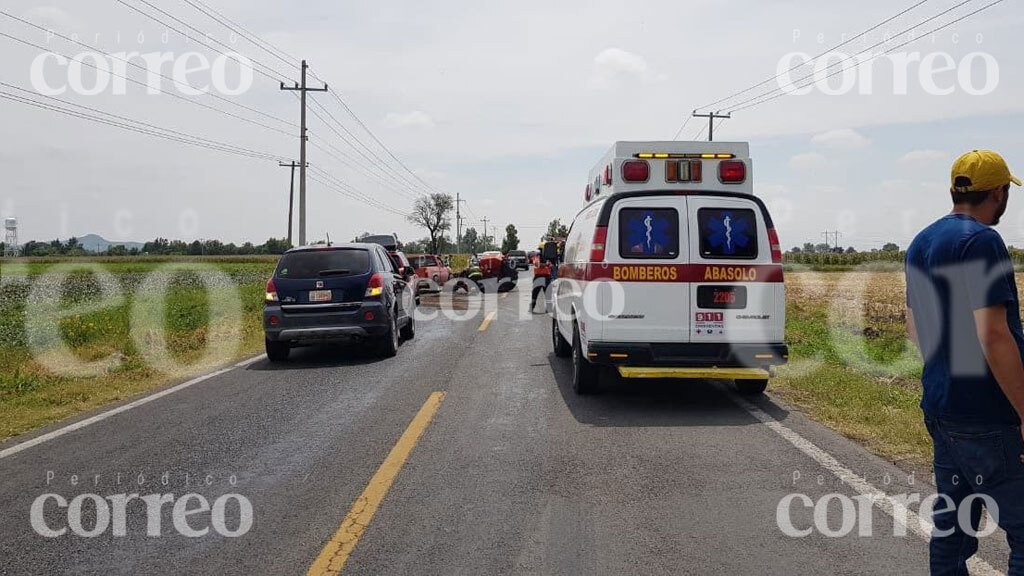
(722, 297)
(319, 295)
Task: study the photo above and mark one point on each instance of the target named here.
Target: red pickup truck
(431, 272)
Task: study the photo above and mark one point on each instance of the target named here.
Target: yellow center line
(338, 549)
(487, 320)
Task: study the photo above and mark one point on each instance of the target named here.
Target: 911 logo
(710, 317)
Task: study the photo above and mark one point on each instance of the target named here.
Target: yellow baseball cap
(980, 170)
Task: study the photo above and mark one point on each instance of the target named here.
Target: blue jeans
(983, 460)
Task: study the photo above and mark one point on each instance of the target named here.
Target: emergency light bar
(662, 155)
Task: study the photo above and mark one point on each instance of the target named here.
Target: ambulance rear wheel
(751, 387)
(562, 347)
(584, 374)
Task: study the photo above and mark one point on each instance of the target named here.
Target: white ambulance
(672, 269)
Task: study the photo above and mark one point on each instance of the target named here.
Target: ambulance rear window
(649, 233)
(727, 233)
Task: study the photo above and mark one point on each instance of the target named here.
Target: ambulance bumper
(693, 355)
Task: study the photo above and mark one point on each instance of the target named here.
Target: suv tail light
(732, 172)
(636, 171)
(376, 286)
(773, 240)
(597, 248)
(271, 291)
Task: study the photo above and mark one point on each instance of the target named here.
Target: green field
(48, 344)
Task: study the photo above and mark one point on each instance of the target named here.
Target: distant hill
(95, 243)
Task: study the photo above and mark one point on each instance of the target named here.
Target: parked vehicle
(695, 253)
(343, 292)
(518, 259)
(489, 269)
(400, 260)
(431, 273)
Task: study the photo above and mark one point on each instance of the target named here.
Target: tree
(809, 247)
(851, 250)
(511, 241)
(794, 250)
(431, 212)
(890, 247)
(822, 248)
(471, 240)
(556, 228)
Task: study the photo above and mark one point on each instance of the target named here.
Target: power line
(405, 181)
(768, 96)
(109, 119)
(254, 39)
(380, 143)
(681, 128)
(360, 195)
(274, 75)
(383, 175)
(326, 179)
(145, 85)
(830, 50)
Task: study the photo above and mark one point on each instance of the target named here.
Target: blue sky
(510, 105)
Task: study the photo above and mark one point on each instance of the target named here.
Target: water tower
(10, 237)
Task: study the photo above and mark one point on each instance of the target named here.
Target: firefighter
(541, 278)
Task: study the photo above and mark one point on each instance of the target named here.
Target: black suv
(341, 292)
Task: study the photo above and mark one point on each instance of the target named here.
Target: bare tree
(432, 212)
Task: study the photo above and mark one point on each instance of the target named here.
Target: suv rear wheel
(584, 374)
(387, 347)
(751, 387)
(277, 351)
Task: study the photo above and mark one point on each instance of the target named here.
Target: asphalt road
(513, 474)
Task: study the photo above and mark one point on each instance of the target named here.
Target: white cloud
(809, 162)
(614, 66)
(925, 157)
(843, 138)
(416, 119)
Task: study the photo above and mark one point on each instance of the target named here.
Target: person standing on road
(963, 313)
(541, 278)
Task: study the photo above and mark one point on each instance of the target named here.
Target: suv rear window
(649, 233)
(727, 233)
(309, 264)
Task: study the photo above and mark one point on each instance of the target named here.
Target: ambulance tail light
(597, 248)
(732, 172)
(773, 240)
(636, 171)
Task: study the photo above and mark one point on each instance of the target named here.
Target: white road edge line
(113, 412)
(890, 506)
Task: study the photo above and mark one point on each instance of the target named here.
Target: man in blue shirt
(964, 315)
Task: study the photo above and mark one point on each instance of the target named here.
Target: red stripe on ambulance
(668, 273)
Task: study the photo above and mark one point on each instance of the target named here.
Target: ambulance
(672, 269)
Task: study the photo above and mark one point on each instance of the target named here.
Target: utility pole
(302, 89)
(291, 196)
(835, 235)
(485, 221)
(711, 116)
(458, 222)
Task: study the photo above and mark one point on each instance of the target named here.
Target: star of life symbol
(650, 228)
